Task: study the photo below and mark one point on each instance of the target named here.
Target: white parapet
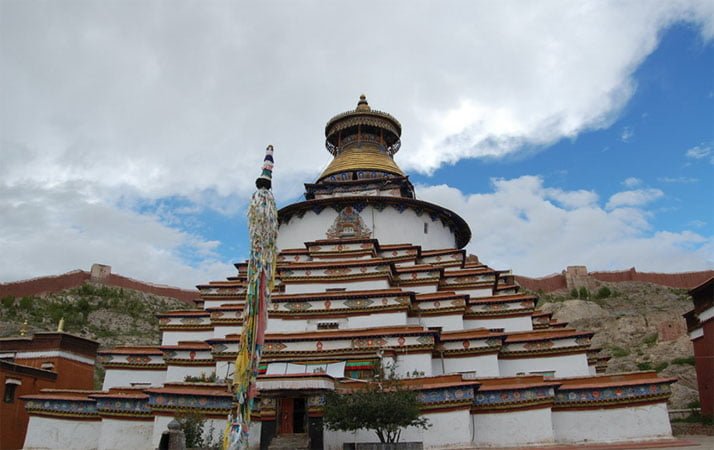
(179, 373)
(561, 365)
(630, 423)
(128, 377)
(125, 434)
(520, 323)
(513, 428)
(481, 365)
(45, 433)
(173, 337)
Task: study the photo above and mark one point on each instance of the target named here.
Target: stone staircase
(297, 441)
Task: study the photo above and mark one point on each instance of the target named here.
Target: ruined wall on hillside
(578, 276)
(99, 273)
(43, 285)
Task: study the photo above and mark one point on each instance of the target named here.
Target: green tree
(383, 405)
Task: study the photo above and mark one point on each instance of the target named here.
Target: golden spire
(362, 104)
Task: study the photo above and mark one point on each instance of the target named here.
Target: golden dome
(362, 157)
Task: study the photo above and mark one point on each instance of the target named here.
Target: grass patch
(650, 339)
(646, 365)
(619, 352)
(689, 360)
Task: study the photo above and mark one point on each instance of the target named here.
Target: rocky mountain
(639, 324)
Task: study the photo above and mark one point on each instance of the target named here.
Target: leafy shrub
(682, 361)
(619, 352)
(661, 366)
(203, 378)
(384, 406)
(603, 292)
(584, 293)
(193, 425)
(644, 365)
(26, 303)
(8, 302)
(574, 293)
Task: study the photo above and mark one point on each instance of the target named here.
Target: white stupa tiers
(367, 275)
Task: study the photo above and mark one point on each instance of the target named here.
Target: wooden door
(287, 408)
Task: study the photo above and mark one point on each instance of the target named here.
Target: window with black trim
(9, 396)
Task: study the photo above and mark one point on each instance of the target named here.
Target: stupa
(367, 275)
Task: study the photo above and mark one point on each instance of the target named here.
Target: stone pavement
(678, 443)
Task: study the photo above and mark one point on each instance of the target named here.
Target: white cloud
(684, 180)
(636, 197)
(518, 226)
(107, 106)
(46, 232)
(699, 152)
(632, 182)
(180, 98)
(627, 134)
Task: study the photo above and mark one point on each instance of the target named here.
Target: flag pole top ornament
(265, 180)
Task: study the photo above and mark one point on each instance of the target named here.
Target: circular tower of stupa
(363, 194)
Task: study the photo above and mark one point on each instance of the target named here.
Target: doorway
(292, 415)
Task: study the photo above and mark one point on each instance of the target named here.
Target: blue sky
(564, 133)
(671, 112)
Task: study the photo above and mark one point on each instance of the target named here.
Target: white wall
(179, 373)
(125, 377)
(50, 433)
(388, 225)
(452, 429)
(126, 434)
(221, 331)
(563, 365)
(513, 428)
(523, 323)
(223, 367)
(422, 288)
(160, 425)
(483, 365)
(322, 286)
(451, 322)
(377, 320)
(612, 424)
(171, 337)
(408, 363)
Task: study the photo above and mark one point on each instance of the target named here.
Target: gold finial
(362, 104)
(60, 325)
(23, 328)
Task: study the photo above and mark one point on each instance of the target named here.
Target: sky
(565, 133)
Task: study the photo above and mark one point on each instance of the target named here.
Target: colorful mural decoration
(348, 224)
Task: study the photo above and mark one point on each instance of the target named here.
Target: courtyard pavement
(697, 442)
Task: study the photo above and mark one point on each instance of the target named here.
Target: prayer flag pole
(263, 231)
